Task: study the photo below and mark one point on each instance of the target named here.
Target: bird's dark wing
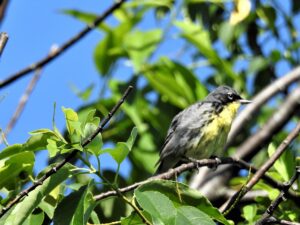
(185, 122)
(171, 129)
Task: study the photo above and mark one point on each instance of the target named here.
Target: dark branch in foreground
(281, 197)
(68, 157)
(192, 165)
(263, 169)
(63, 48)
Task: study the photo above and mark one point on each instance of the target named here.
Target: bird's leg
(186, 159)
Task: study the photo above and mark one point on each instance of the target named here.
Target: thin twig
(68, 157)
(63, 48)
(188, 166)
(3, 8)
(285, 222)
(263, 169)
(281, 197)
(3, 41)
(259, 100)
(22, 102)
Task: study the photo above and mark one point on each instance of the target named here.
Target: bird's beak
(244, 101)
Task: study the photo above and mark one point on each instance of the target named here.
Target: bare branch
(3, 7)
(281, 197)
(3, 41)
(23, 100)
(192, 165)
(68, 157)
(263, 169)
(63, 48)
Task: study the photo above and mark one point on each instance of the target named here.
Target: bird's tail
(165, 164)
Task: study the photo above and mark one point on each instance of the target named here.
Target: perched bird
(200, 131)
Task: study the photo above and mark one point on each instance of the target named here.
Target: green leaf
(133, 219)
(47, 208)
(110, 49)
(23, 209)
(11, 150)
(119, 153)
(257, 64)
(75, 209)
(140, 45)
(226, 33)
(131, 138)
(52, 148)
(85, 17)
(73, 125)
(149, 3)
(187, 195)
(13, 168)
(39, 140)
(249, 213)
(285, 165)
(196, 35)
(175, 83)
(36, 219)
(192, 216)
(84, 94)
(96, 144)
(267, 14)
(103, 57)
(159, 206)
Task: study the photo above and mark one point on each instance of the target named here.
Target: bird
(200, 131)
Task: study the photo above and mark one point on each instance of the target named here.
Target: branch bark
(263, 169)
(3, 41)
(192, 165)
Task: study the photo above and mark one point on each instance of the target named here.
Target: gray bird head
(224, 95)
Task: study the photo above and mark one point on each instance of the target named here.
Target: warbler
(200, 131)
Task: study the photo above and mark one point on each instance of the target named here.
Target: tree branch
(192, 165)
(3, 41)
(3, 8)
(281, 197)
(263, 169)
(63, 48)
(23, 100)
(68, 157)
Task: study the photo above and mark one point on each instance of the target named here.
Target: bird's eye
(230, 96)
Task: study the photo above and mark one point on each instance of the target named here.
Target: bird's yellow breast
(222, 122)
(214, 134)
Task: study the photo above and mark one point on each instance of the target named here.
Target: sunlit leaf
(23, 209)
(241, 11)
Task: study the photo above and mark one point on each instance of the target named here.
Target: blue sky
(33, 27)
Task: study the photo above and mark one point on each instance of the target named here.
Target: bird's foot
(218, 162)
(188, 160)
